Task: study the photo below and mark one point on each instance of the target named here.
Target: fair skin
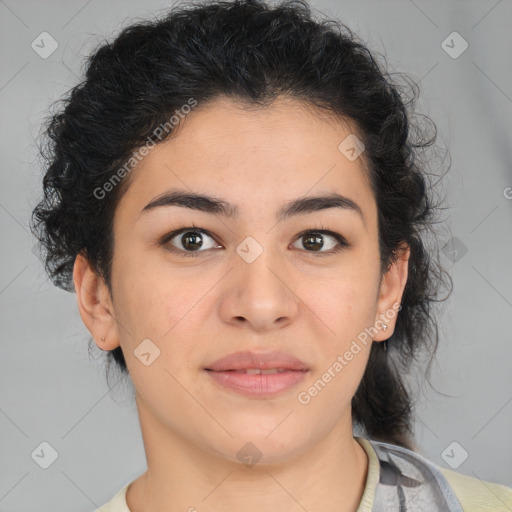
(290, 298)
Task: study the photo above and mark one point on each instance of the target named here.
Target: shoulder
(477, 495)
(406, 478)
(117, 503)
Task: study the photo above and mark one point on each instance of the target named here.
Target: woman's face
(249, 281)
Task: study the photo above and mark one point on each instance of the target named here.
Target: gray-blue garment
(410, 483)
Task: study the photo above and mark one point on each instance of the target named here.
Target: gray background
(51, 388)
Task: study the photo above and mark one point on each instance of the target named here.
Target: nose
(259, 295)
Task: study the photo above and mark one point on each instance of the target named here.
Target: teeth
(257, 371)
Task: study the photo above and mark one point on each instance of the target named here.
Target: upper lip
(262, 361)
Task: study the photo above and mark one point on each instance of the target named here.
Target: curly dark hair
(253, 52)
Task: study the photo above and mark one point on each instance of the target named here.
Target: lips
(258, 371)
(258, 375)
(254, 362)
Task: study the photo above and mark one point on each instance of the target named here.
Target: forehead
(255, 157)
(284, 125)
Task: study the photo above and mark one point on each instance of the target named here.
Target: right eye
(188, 241)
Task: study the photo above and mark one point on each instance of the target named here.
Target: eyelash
(342, 242)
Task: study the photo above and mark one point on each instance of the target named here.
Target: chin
(259, 448)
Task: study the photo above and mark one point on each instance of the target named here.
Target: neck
(328, 476)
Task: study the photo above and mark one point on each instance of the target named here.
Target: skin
(197, 309)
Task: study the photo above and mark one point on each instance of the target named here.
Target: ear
(391, 291)
(95, 304)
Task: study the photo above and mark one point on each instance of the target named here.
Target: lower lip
(258, 385)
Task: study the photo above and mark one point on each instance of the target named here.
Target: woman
(235, 194)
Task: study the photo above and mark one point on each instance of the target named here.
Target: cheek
(344, 301)
(141, 302)
(348, 314)
(164, 307)
(156, 315)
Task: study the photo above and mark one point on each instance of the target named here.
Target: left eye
(315, 240)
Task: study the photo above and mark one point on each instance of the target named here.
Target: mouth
(257, 361)
(257, 374)
(257, 382)
(259, 371)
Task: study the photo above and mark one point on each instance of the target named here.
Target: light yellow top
(474, 495)
(477, 495)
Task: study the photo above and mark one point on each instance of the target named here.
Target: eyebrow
(216, 206)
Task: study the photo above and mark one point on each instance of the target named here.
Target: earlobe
(94, 304)
(391, 291)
